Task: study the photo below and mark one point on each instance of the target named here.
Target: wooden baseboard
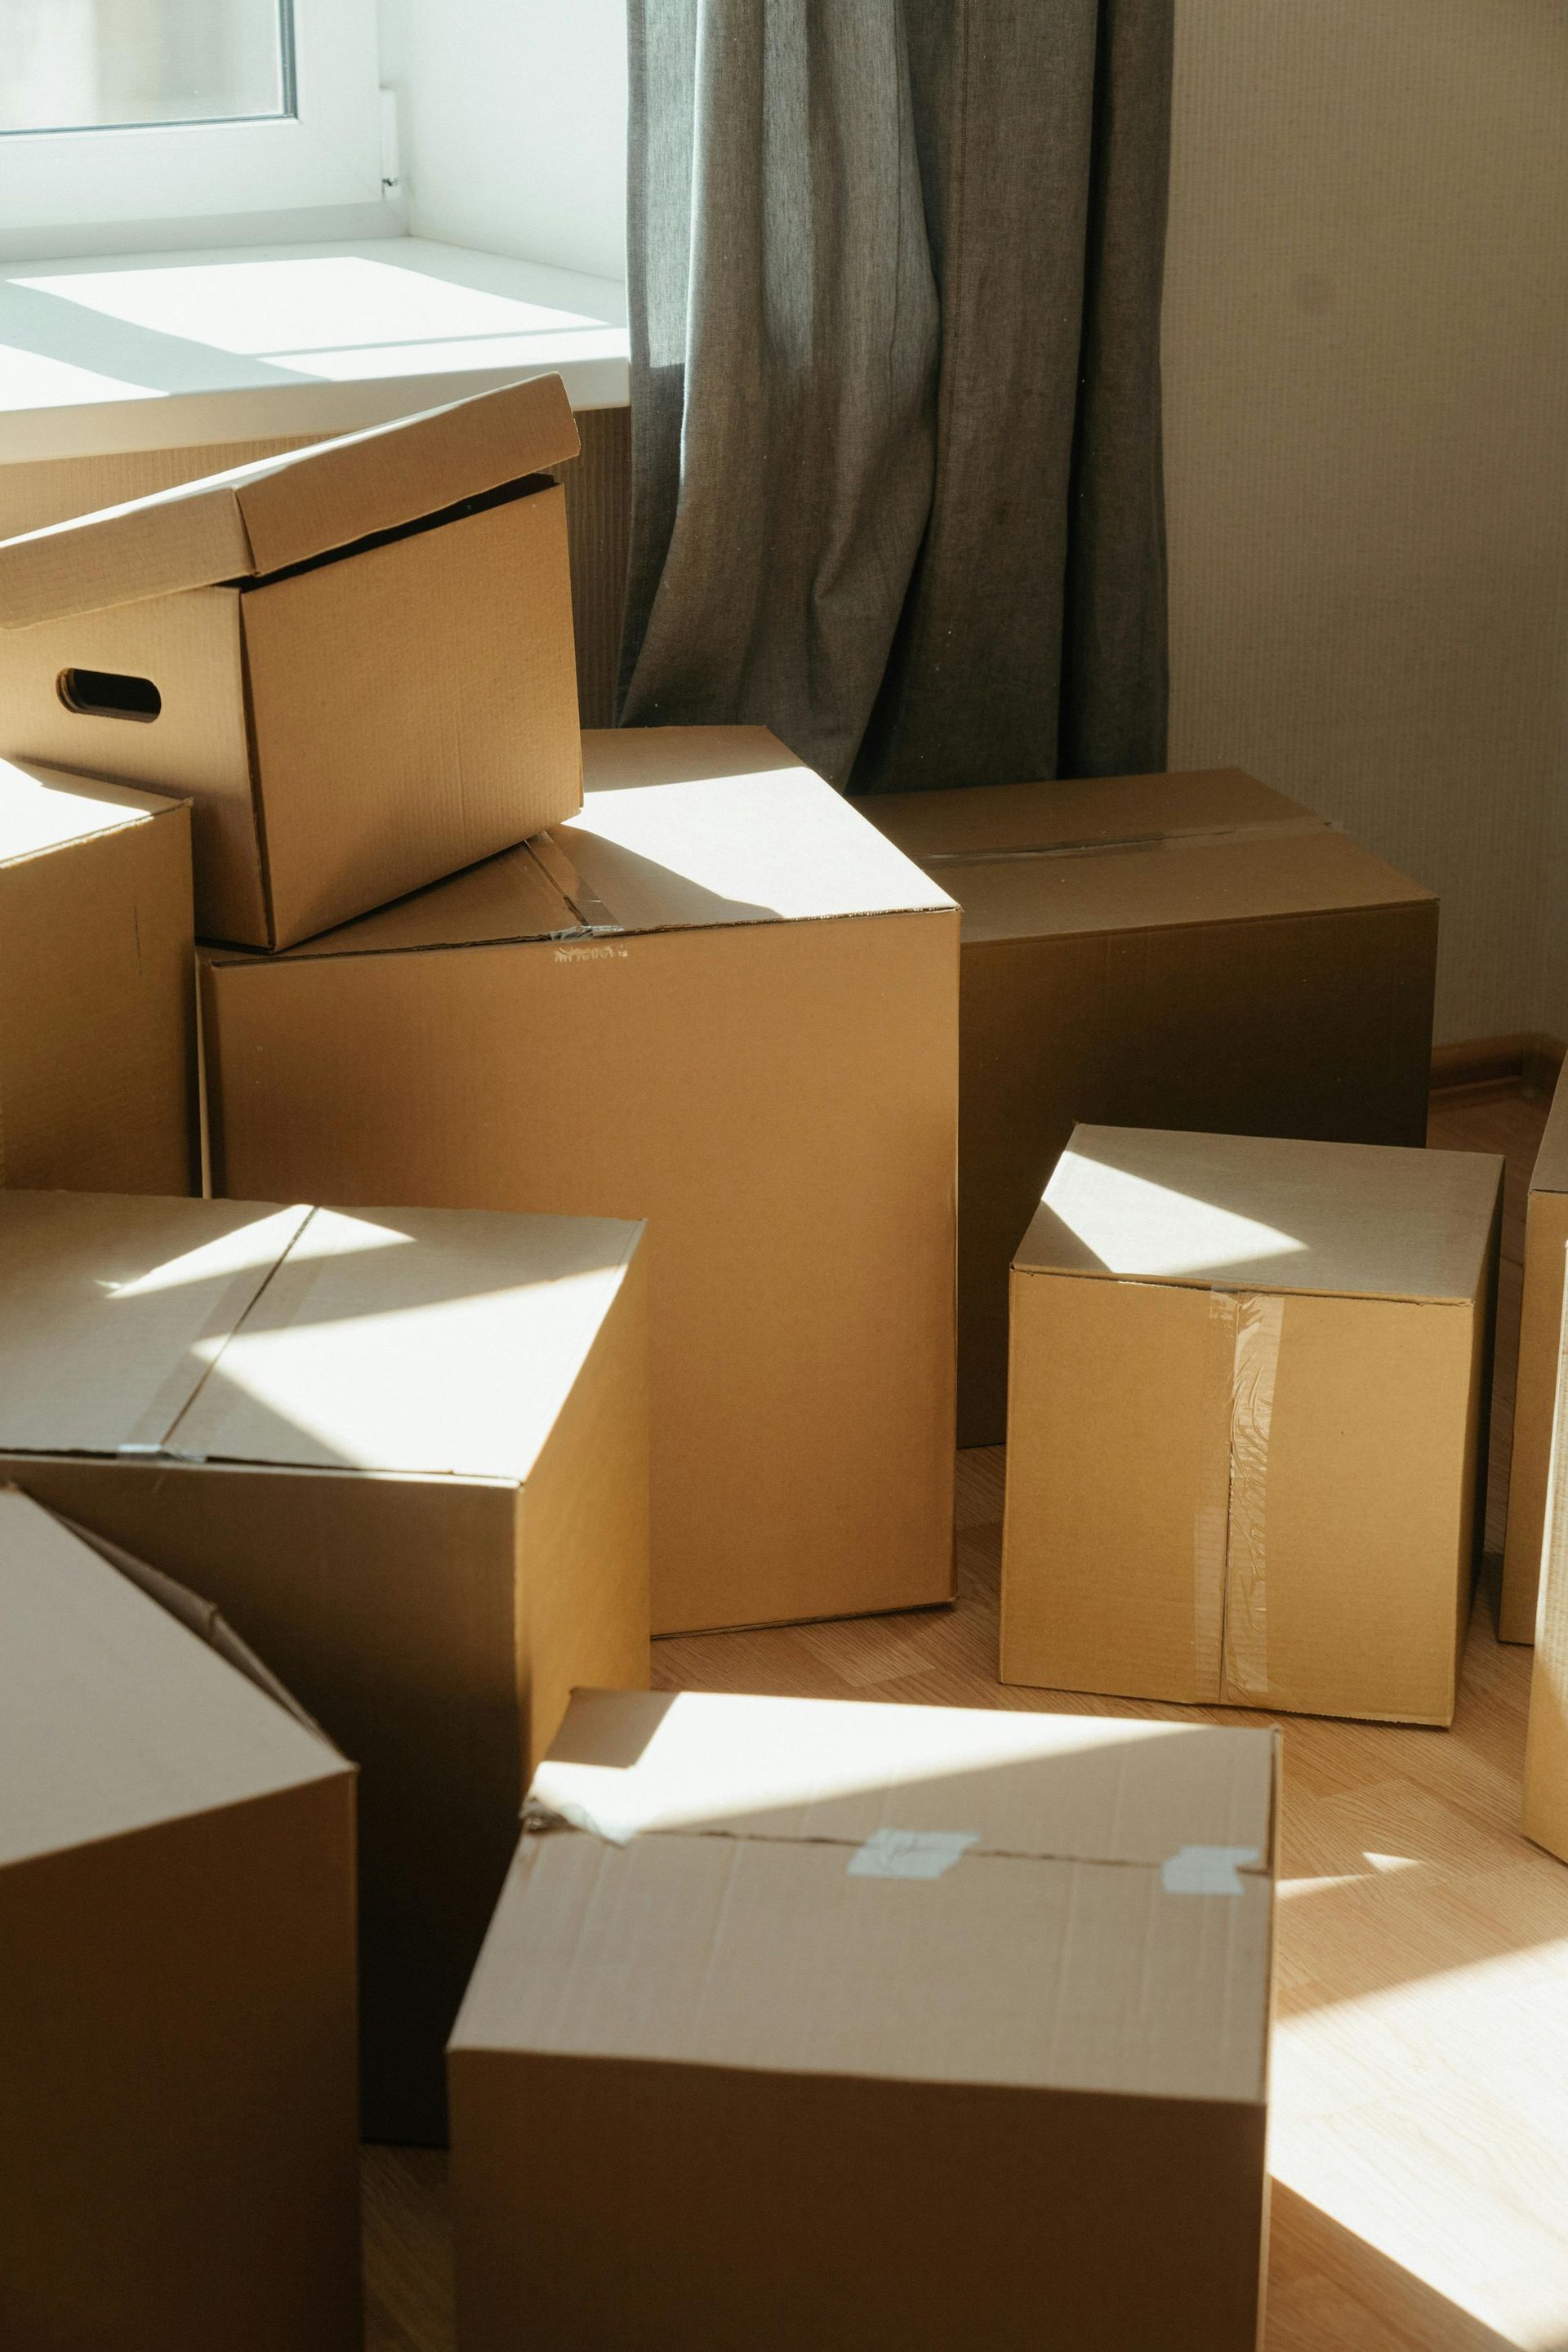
(1530, 1062)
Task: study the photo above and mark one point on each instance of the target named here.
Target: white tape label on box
(909, 1854)
(1207, 1869)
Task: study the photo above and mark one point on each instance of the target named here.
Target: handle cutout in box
(108, 693)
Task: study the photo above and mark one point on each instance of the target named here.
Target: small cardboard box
(355, 658)
(812, 2024)
(1180, 952)
(98, 997)
(1546, 1748)
(179, 2164)
(407, 1455)
(1540, 1334)
(1247, 1416)
(721, 1001)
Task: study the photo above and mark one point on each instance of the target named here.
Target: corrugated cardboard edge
(1545, 1809)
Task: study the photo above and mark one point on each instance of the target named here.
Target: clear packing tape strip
(1230, 1587)
(1210, 836)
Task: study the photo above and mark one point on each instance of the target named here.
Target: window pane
(89, 65)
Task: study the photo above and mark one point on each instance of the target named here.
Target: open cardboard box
(356, 658)
(407, 1455)
(179, 2163)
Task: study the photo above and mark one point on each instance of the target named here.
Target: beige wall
(1366, 371)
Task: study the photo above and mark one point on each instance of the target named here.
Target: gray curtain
(895, 273)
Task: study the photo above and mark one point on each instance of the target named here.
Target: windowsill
(174, 351)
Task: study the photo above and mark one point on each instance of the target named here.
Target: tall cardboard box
(1546, 1748)
(1535, 1390)
(1180, 952)
(720, 1001)
(179, 2166)
(407, 1455)
(98, 998)
(356, 659)
(812, 2024)
(1246, 1423)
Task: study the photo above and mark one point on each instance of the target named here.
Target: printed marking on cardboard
(590, 955)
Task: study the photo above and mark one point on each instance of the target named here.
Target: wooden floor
(1419, 2133)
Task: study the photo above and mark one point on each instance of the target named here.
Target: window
(119, 111)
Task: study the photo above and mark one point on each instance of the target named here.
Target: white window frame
(329, 152)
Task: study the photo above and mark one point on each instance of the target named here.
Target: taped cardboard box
(719, 1000)
(1546, 1748)
(355, 658)
(1246, 1437)
(1535, 1389)
(406, 1455)
(179, 2165)
(808, 2024)
(1189, 950)
(97, 985)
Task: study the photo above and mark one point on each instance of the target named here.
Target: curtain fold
(895, 274)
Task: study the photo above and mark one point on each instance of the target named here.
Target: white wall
(512, 118)
(1366, 415)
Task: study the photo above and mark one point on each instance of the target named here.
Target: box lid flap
(1069, 1787)
(1124, 854)
(426, 1341)
(1550, 1171)
(114, 1714)
(280, 510)
(43, 808)
(917, 1892)
(1254, 1213)
(683, 828)
(1085, 814)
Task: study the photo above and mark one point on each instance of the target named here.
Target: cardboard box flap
(198, 1617)
(678, 831)
(505, 899)
(1550, 1171)
(1085, 814)
(43, 808)
(1254, 1213)
(452, 1355)
(686, 827)
(441, 1342)
(115, 1307)
(807, 1955)
(281, 510)
(1069, 1788)
(1269, 875)
(114, 1716)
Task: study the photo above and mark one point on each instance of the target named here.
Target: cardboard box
(1546, 1748)
(179, 2165)
(407, 1455)
(355, 658)
(805, 2023)
(720, 1001)
(1178, 951)
(1247, 1416)
(97, 985)
(1535, 1389)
